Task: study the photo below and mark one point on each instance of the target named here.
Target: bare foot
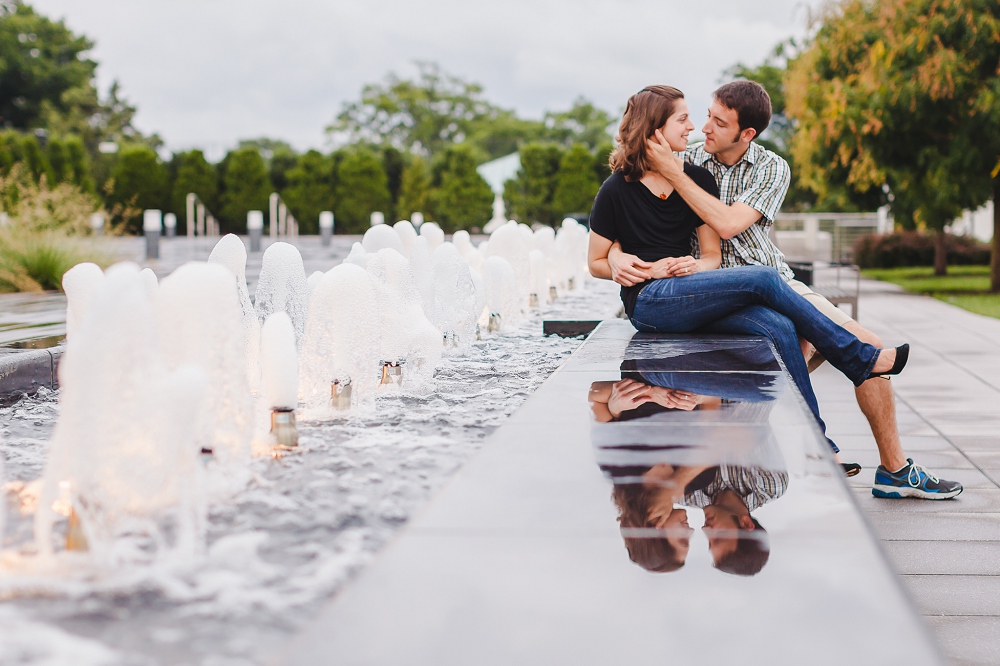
(885, 361)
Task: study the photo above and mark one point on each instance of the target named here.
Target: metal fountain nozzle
(553, 293)
(75, 538)
(450, 339)
(571, 283)
(494, 324)
(392, 371)
(283, 427)
(533, 301)
(340, 393)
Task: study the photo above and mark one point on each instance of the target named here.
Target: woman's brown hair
(646, 112)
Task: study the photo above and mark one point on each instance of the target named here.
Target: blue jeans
(686, 304)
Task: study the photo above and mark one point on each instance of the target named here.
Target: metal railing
(281, 222)
(844, 229)
(200, 222)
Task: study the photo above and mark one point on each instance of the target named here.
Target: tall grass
(43, 234)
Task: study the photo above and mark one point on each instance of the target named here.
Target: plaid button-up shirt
(755, 485)
(760, 180)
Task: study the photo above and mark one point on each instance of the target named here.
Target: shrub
(912, 248)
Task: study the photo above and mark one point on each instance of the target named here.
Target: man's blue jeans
(686, 304)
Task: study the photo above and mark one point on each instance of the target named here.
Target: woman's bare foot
(886, 359)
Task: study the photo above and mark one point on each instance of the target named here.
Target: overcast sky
(205, 73)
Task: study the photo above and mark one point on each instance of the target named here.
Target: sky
(206, 73)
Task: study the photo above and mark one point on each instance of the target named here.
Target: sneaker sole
(897, 492)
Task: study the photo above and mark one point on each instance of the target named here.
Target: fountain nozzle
(533, 301)
(392, 372)
(450, 339)
(340, 393)
(75, 538)
(553, 293)
(494, 324)
(283, 427)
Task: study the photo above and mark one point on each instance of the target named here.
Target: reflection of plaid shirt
(759, 180)
(756, 485)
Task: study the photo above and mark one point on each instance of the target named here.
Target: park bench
(844, 287)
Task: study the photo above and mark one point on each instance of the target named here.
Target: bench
(839, 290)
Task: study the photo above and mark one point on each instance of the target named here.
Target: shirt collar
(754, 153)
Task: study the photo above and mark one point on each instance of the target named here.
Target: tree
(904, 93)
(460, 197)
(246, 186)
(576, 183)
(194, 175)
(361, 189)
(309, 190)
(40, 63)
(528, 196)
(582, 123)
(140, 181)
(414, 189)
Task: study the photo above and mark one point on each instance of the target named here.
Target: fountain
(433, 233)
(381, 236)
(342, 341)
(282, 287)
(508, 242)
(502, 297)
(81, 284)
(357, 256)
(126, 479)
(422, 269)
(407, 234)
(454, 310)
(280, 376)
(232, 254)
(539, 281)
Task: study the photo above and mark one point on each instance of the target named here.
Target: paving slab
(542, 549)
(974, 558)
(969, 640)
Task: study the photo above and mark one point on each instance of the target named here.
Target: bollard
(377, 219)
(152, 225)
(273, 219)
(97, 223)
(416, 220)
(170, 224)
(255, 228)
(326, 227)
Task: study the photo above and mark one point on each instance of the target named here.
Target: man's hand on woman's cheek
(662, 158)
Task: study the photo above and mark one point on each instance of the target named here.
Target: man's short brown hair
(750, 101)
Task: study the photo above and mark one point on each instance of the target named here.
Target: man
(752, 182)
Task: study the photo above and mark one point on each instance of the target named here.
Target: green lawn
(964, 286)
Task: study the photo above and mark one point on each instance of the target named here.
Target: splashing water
(502, 296)
(279, 365)
(508, 243)
(232, 254)
(407, 234)
(381, 236)
(434, 235)
(455, 300)
(282, 287)
(81, 284)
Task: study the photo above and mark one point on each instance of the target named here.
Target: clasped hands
(629, 394)
(629, 270)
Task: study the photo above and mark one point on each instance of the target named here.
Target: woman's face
(678, 126)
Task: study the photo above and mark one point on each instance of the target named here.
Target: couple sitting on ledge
(661, 226)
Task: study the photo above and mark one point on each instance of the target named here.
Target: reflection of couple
(654, 205)
(656, 533)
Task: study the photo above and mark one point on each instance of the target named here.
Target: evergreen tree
(414, 189)
(246, 187)
(576, 184)
(528, 197)
(194, 174)
(392, 162)
(362, 188)
(79, 165)
(140, 182)
(58, 157)
(309, 190)
(460, 197)
(30, 153)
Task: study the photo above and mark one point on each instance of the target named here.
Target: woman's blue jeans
(754, 300)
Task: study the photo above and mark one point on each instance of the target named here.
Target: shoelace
(913, 477)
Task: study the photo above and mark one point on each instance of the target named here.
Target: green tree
(194, 175)
(34, 159)
(504, 133)
(414, 189)
(140, 181)
(460, 198)
(78, 170)
(904, 93)
(361, 188)
(393, 163)
(246, 187)
(576, 183)
(582, 123)
(40, 63)
(309, 190)
(528, 196)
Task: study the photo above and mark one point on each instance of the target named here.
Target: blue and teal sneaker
(913, 481)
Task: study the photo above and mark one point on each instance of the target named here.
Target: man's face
(720, 528)
(722, 130)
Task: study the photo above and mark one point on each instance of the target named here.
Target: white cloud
(208, 72)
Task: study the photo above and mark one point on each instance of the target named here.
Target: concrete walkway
(948, 403)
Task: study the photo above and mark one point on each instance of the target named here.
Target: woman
(638, 208)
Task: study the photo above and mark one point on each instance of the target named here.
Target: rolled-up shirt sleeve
(768, 186)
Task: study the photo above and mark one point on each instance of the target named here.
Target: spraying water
(282, 287)
(509, 243)
(422, 268)
(433, 233)
(407, 234)
(122, 462)
(232, 254)
(81, 284)
(357, 256)
(381, 236)
(502, 297)
(280, 377)
(454, 297)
